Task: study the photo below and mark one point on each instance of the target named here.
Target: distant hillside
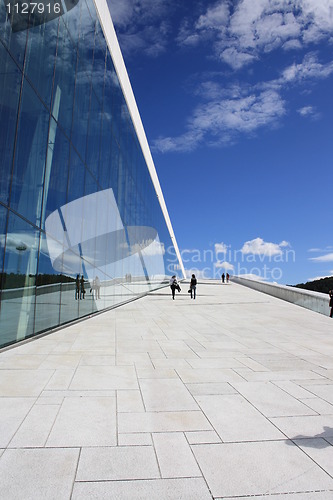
(323, 285)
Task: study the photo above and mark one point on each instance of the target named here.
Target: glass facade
(81, 227)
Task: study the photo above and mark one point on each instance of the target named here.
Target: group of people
(174, 285)
(80, 290)
(225, 277)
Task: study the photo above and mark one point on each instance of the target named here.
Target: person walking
(228, 277)
(82, 289)
(193, 286)
(97, 288)
(330, 293)
(173, 285)
(222, 277)
(77, 287)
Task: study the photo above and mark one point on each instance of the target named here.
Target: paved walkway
(227, 396)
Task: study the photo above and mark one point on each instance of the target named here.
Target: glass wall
(81, 229)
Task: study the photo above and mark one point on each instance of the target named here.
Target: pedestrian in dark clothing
(77, 287)
(82, 289)
(227, 277)
(222, 277)
(173, 285)
(331, 302)
(193, 286)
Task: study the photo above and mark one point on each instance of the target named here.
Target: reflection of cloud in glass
(18, 242)
(91, 235)
(150, 247)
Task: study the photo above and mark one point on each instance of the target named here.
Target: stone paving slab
(166, 489)
(225, 397)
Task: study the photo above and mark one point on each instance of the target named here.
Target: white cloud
(186, 36)
(230, 111)
(220, 248)
(306, 110)
(310, 67)
(236, 58)
(185, 142)
(326, 249)
(220, 120)
(260, 247)
(215, 17)
(224, 265)
(250, 276)
(292, 45)
(309, 112)
(323, 258)
(260, 26)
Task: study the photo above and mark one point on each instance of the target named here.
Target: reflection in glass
(10, 85)
(93, 137)
(101, 243)
(14, 42)
(3, 223)
(40, 57)
(76, 195)
(48, 285)
(19, 280)
(64, 77)
(56, 171)
(28, 177)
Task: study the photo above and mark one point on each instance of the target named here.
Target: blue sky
(236, 100)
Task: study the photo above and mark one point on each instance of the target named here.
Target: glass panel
(114, 167)
(94, 197)
(93, 139)
(10, 86)
(64, 79)
(86, 39)
(28, 177)
(105, 152)
(81, 112)
(3, 221)
(108, 87)
(48, 288)
(112, 96)
(56, 172)
(18, 294)
(76, 177)
(92, 241)
(14, 39)
(70, 226)
(83, 80)
(3, 14)
(99, 63)
(72, 19)
(69, 307)
(40, 56)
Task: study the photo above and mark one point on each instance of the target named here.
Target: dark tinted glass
(10, 87)
(29, 165)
